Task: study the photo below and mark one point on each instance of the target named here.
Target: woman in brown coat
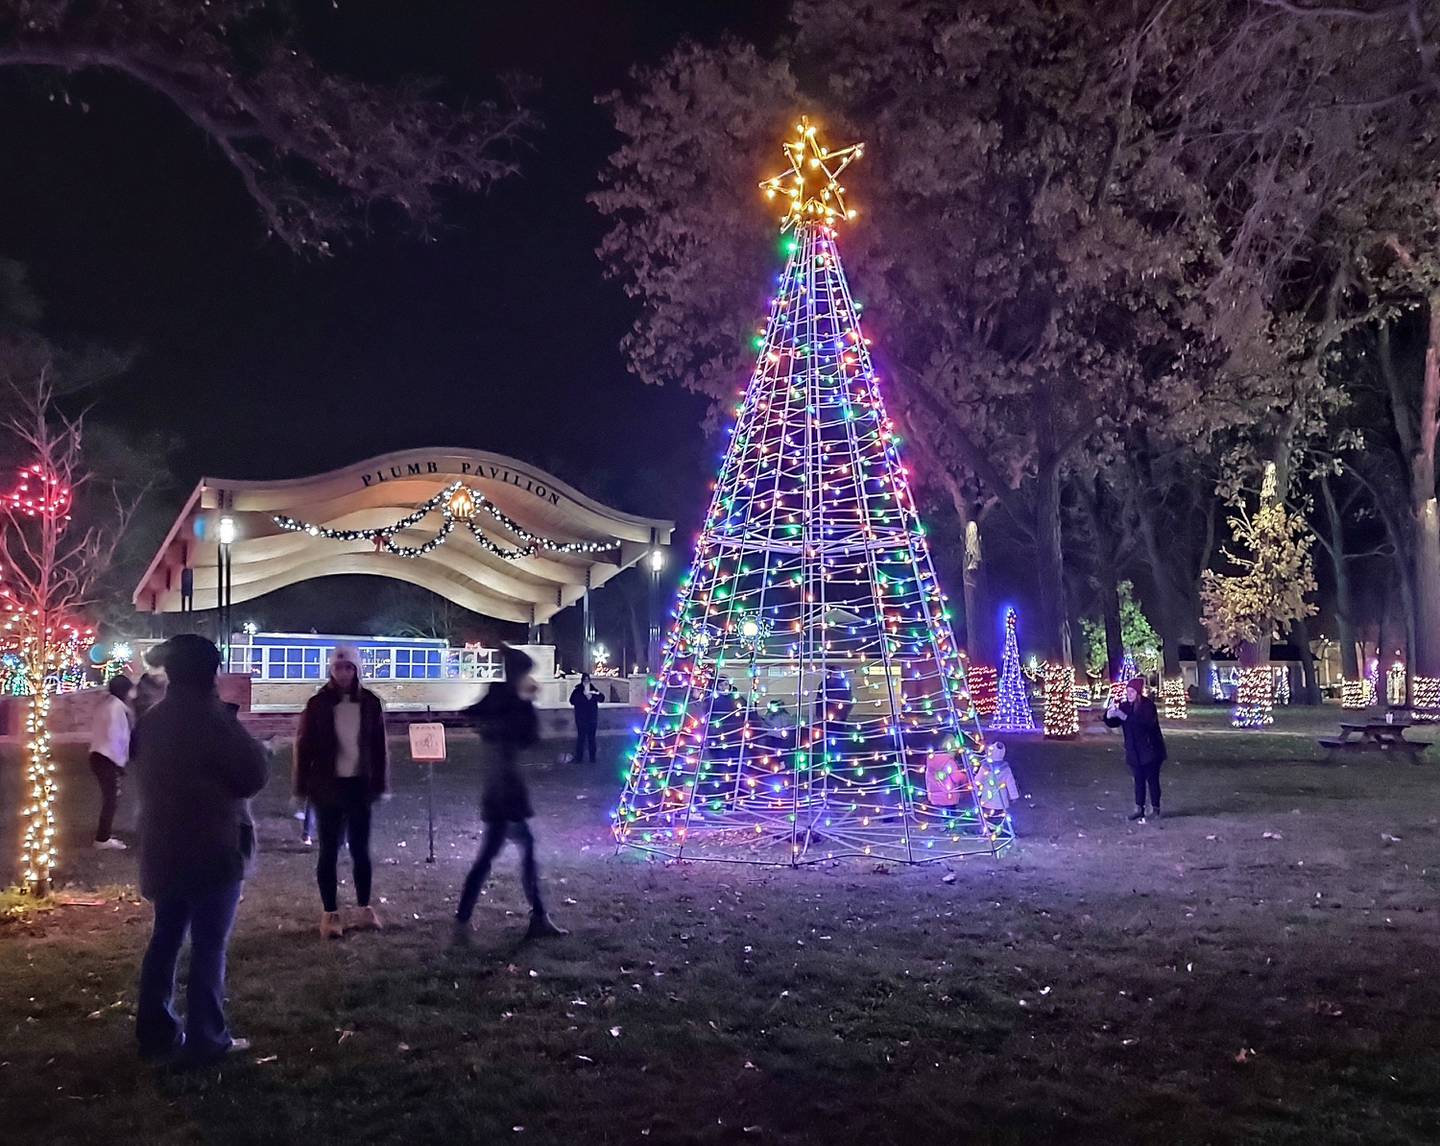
(342, 768)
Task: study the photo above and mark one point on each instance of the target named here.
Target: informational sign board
(427, 743)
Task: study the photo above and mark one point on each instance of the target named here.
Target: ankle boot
(330, 925)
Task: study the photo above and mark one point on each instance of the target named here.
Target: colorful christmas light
(812, 575)
(1012, 703)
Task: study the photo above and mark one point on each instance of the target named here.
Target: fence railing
(378, 662)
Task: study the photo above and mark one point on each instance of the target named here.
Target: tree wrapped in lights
(1012, 701)
(983, 684)
(51, 571)
(811, 584)
(1175, 698)
(1062, 715)
(1271, 549)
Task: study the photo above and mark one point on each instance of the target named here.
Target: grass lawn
(1261, 966)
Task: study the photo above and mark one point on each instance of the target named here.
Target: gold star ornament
(812, 185)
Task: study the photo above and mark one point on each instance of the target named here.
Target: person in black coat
(1144, 743)
(196, 771)
(505, 717)
(341, 769)
(585, 699)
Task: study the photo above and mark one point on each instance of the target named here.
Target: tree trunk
(1309, 692)
(1114, 634)
(1344, 599)
(1054, 627)
(1424, 511)
(980, 629)
(1168, 614)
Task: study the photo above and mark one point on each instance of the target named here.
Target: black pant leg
(1137, 773)
(1153, 776)
(107, 775)
(357, 832)
(529, 869)
(330, 822)
(590, 734)
(490, 845)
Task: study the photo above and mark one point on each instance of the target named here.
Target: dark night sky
(501, 335)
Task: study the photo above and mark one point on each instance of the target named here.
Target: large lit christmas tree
(811, 701)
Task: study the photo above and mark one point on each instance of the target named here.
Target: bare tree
(52, 568)
(316, 151)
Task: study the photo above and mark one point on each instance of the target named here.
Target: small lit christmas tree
(1012, 701)
(811, 701)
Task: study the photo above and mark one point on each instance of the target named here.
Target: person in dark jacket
(196, 771)
(505, 717)
(342, 768)
(585, 699)
(1144, 743)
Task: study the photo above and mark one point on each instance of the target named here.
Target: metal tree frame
(811, 582)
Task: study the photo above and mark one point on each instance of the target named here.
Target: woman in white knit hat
(342, 768)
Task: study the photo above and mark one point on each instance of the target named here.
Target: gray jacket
(196, 769)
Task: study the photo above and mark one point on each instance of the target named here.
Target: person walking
(342, 768)
(1144, 743)
(110, 732)
(505, 717)
(196, 770)
(585, 699)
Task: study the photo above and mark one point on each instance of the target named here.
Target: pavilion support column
(587, 636)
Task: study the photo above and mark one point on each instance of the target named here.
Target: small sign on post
(427, 746)
(427, 743)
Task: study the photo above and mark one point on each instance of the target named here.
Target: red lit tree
(51, 567)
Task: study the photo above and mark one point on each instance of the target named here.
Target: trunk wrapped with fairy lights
(811, 701)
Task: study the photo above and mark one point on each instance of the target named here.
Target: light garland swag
(457, 504)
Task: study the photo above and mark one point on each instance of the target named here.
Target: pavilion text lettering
(484, 470)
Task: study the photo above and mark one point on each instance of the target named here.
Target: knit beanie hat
(1137, 683)
(348, 653)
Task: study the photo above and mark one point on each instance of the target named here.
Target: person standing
(342, 768)
(150, 690)
(1138, 719)
(110, 732)
(585, 699)
(196, 771)
(505, 717)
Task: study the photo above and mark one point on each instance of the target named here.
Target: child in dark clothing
(506, 719)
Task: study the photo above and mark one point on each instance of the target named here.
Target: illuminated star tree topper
(813, 182)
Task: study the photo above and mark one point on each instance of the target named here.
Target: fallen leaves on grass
(1272, 836)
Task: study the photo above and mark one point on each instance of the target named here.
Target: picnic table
(1374, 736)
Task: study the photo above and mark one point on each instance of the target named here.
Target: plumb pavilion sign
(483, 470)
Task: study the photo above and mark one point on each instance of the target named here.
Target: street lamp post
(227, 539)
(656, 564)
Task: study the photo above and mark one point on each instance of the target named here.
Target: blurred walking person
(1144, 743)
(341, 769)
(585, 699)
(505, 717)
(196, 771)
(110, 732)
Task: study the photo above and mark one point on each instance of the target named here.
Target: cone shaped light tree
(811, 701)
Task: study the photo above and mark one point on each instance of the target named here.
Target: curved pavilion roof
(376, 493)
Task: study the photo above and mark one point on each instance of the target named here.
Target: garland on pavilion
(458, 504)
